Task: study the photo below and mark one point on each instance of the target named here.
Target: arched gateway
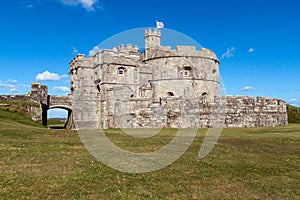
(39, 93)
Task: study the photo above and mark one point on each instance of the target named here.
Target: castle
(125, 87)
(159, 87)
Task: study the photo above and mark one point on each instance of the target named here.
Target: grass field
(55, 123)
(253, 163)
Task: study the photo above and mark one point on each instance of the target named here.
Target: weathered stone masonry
(160, 87)
(39, 94)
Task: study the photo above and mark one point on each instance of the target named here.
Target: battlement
(160, 52)
(128, 47)
(79, 57)
(122, 50)
(127, 50)
(154, 32)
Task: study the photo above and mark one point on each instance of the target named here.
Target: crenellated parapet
(77, 61)
(154, 32)
(181, 51)
(128, 50)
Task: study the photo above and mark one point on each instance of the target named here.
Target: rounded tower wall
(189, 75)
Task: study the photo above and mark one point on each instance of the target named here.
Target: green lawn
(253, 163)
(55, 123)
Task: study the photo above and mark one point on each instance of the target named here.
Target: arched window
(121, 70)
(204, 94)
(170, 94)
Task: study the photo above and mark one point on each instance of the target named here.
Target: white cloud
(95, 50)
(6, 85)
(86, 4)
(281, 90)
(13, 85)
(251, 50)
(12, 81)
(75, 51)
(48, 76)
(60, 89)
(228, 53)
(13, 90)
(247, 88)
(294, 102)
(64, 76)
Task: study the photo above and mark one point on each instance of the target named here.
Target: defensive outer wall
(39, 94)
(240, 111)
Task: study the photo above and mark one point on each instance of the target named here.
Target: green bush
(293, 114)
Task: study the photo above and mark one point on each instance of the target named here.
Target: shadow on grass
(57, 127)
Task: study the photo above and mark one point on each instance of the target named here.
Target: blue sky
(257, 41)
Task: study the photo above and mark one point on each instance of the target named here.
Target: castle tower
(39, 92)
(152, 38)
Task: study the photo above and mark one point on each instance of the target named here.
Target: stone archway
(69, 121)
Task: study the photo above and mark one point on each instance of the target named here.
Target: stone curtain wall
(24, 104)
(15, 98)
(36, 103)
(247, 111)
(238, 111)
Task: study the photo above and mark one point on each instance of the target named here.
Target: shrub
(293, 114)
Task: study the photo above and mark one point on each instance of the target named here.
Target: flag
(159, 24)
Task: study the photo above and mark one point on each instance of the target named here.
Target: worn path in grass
(254, 163)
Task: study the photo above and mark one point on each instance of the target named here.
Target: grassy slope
(9, 117)
(256, 163)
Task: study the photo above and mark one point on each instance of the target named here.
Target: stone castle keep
(125, 87)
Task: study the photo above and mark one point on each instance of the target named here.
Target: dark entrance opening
(170, 94)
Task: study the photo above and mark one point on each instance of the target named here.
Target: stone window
(170, 94)
(187, 71)
(121, 70)
(142, 93)
(214, 71)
